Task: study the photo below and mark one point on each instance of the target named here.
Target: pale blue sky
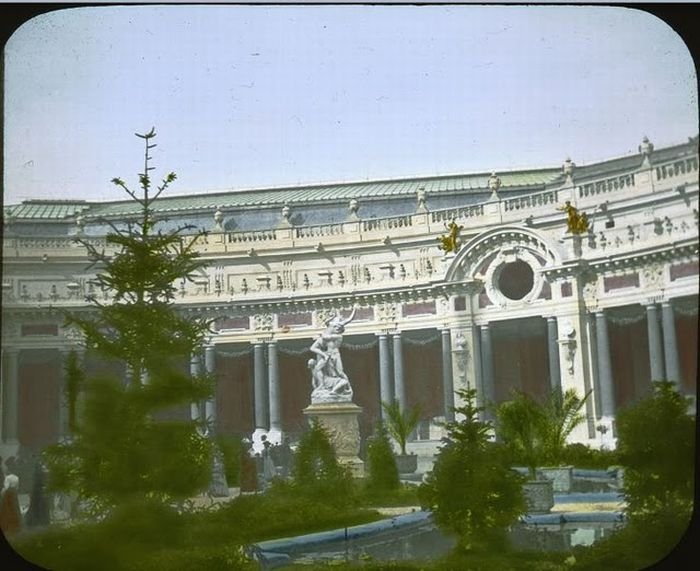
(254, 96)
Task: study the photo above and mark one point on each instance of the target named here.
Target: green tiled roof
(534, 179)
(46, 209)
(333, 192)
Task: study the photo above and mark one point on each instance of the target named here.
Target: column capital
(11, 350)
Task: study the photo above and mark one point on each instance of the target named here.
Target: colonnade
(663, 364)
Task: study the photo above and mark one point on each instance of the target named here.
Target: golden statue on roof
(576, 222)
(451, 241)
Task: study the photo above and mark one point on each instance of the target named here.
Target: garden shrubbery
(382, 473)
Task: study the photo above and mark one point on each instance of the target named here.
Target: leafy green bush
(472, 489)
(656, 446)
(582, 456)
(316, 472)
(382, 474)
(231, 448)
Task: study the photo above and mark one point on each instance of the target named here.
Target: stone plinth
(342, 423)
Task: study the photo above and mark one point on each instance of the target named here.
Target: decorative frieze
(683, 270)
(422, 308)
(263, 322)
(619, 282)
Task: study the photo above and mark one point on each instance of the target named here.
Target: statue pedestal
(341, 422)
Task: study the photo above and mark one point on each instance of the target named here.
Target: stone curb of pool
(283, 548)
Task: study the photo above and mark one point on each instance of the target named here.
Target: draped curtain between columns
(629, 354)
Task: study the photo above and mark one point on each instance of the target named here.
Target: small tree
(472, 490)
(317, 472)
(383, 473)
(401, 423)
(118, 450)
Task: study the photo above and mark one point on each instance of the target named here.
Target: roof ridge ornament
(494, 185)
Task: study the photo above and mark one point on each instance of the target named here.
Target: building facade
(522, 304)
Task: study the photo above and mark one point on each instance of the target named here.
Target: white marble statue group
(329, 381)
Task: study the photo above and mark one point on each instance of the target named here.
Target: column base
(341, 422)
(606, 427)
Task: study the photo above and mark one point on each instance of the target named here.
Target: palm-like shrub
(401, 423)
(536, 433)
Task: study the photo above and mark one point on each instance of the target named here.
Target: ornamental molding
(473, 252)
(337, 301)
(619, 265)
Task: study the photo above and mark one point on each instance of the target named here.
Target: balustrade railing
(387, 223)
(676, 168)
(606, 185)
(252, 236)
(454, 213)
(530, 201)
(318, 230)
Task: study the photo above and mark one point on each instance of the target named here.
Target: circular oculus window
(516, 280)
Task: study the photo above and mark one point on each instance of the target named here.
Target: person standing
(10, 514)
(38, 513)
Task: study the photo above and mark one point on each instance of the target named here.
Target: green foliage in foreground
(151, 536)
(472, 490)
(117, 450)
(535, 432)
(317, 472)
(383, 475)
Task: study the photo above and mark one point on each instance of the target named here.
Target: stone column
(476, 367)
(274, 391)
(655, 350)
(553, 351)
(63, 409)
(10, 398)
(399, 386)
(605, 379)
(259, 388)
(673, 370)
(210, 367)
(447, 380)
(487, 369)
(195, 369)
(385, 392)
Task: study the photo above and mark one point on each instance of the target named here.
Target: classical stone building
(521, 305)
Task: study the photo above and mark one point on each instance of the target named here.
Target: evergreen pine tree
(472, 490)
(383, 474)
(118, 449)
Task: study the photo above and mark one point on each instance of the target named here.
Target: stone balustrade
(606, 185)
